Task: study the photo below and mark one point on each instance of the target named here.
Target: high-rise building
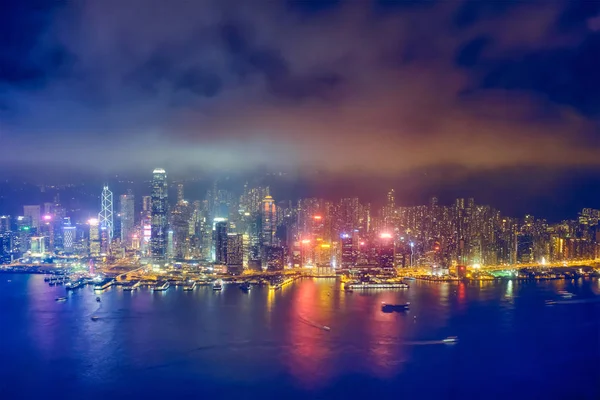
(179, 193)
(105, 216)
(386, 251)
(69, 237)
(33, 213)
(220, 240)
(159, 212)
(94, 237)
(269, 218)
(274, 258)
(127, 213)
(348, 253)
(235, 252)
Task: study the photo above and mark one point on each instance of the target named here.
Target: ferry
(450, 339)
(566, 295)
(188, 287)
(245, 286)
(131, 286)
(377, 285)
(388, 308)
(217, 285)
(61, 299)
(104, 284)
(161, 286)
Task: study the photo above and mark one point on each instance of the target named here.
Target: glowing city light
(93, 221)
(386, 235)
(317, 217)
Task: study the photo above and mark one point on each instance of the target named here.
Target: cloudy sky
(374, 87)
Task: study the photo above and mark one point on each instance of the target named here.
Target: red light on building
(317, 217)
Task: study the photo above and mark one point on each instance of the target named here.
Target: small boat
(217, 285)
(566, 295)
(61, 299)
(450, 339)
(46, 278)
(52, 283)
(245, 286)
(326, 328)
(95, 318)
(98, 299)
(388, 308)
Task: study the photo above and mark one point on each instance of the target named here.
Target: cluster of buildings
(254, 231)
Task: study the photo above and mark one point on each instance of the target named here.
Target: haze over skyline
(434, 95)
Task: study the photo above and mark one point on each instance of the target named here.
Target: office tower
(220, 240)
(235, 252)
(146, 206)
(386, 251)
(127, 213)
(179, 193)
(181, 222)
(94, 237)
(348, 253)
(4, 223)
(33, 213)
(5, 240)
(69, 237)
(38, 246)
(159, 213)
(274, 258)
(269, 217)
(21, 244)
(105, 217)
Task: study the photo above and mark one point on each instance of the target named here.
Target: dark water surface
(266, 344)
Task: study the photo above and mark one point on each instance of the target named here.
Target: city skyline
(248, 228)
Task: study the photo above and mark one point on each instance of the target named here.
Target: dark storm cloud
(375, 86)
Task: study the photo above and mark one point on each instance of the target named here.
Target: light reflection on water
(278, 336)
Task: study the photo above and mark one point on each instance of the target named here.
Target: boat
(98, 299)
(450, 339)
(95, 318)
(388, 308)
(61, 299)
(566, 295)
(52, 283)
(376, 285)
(188, 287)
(46, 278)
(326, 328)
(217, 285)
(245, 286)
(348, 289)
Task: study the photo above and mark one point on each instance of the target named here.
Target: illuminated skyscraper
(386, 251)
(127, 212)
(33, 213)
(348, 253)
(274, 258)
(94, 237)
(159, 212)
(220, 240)
(269, 218)
(105, 217)
(235, 252)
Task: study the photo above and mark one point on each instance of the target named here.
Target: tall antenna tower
(105, 217)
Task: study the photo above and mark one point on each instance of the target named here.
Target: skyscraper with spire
(105, 217)
(159, 213)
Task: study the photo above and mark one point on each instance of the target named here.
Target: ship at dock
(72, 285)
(189, 286)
